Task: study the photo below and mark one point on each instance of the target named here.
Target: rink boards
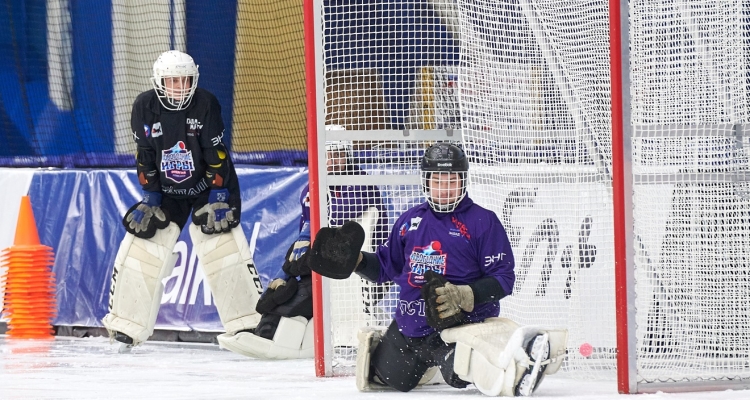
(78, 213)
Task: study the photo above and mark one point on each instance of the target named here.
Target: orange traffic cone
(29, 282)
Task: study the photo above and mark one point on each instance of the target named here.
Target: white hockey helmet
(175, 64)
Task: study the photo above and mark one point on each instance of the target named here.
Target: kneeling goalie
(285, 330)
(453, 262)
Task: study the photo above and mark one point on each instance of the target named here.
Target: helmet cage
(440, 200)
(339, 155)
(174, 64)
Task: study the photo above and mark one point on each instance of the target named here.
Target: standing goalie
(184, 170)
(453, 262)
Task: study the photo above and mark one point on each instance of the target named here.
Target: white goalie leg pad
(368, 338)
(231, 275)
(136, 287)
(293, 339)
(492, 355)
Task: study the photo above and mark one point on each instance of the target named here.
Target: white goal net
(524, 86)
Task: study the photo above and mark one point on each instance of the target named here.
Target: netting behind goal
(536, 130)
(525, 87)
(689, 63)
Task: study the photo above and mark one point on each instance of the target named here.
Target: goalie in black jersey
(185, 171)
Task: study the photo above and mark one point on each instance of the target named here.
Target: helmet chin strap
(443, 207)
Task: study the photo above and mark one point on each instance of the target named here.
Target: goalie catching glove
(144, 218)
(336, 251)
(445, 302)
(217, 216)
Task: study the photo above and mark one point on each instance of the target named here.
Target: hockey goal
(622, 180)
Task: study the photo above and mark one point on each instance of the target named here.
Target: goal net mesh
(527, 83)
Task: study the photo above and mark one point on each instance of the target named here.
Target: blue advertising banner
(79, 213)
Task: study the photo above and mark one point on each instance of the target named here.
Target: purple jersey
(465, 245)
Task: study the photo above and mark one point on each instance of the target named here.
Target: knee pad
(231, 275)
(136, 287)
(293, 339)
(493, 354)
(369, 339)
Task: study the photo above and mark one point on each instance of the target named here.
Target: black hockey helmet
(444, 157)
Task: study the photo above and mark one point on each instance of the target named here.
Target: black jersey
(176, 149)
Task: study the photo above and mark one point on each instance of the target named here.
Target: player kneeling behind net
(184, 168)
(453, 262)
(285, 330)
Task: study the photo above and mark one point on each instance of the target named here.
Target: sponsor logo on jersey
(462, 229)
(177, 162)
(199, 188)
(423, 259)
(489, 260)
(193, 127)
(415, 223)
(217, 140)
(146, 130)
(156, 130)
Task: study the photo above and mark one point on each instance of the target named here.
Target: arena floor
(91, 368)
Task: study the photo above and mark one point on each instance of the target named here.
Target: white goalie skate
(538, 351)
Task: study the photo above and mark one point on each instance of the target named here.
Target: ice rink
(91, 368)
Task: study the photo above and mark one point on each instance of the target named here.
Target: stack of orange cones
(30, 302)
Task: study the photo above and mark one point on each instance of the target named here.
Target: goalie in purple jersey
(453, 262)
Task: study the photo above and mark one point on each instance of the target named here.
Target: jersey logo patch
(461, 227)
(193, 126)
(156, 130)
(423, 259)
(146, 130)
(177, 162)
(217, 140)
(415, 223)
(402, 230)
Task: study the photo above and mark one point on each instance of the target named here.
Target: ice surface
(91, 368)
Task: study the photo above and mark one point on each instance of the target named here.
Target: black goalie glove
(335, 251)
(144, 218)
(439, 314)
(278, 292)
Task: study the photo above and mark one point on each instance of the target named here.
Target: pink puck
(586, 350)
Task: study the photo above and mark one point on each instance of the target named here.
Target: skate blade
(125, 348)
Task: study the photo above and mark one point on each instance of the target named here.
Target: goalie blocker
(500, 357)
(335, 252)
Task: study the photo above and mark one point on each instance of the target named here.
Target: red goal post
(609, 141)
